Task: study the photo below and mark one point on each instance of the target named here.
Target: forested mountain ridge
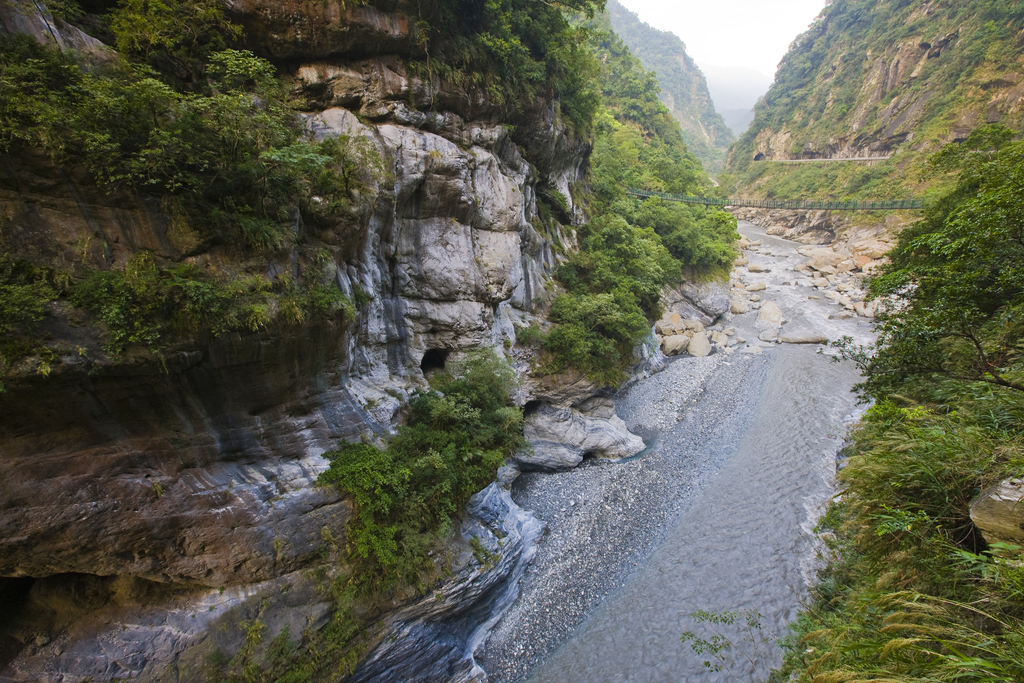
(683, 87)
(879, 78)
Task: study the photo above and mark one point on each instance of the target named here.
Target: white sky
(749, 33)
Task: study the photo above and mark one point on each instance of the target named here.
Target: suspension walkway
(812, 204)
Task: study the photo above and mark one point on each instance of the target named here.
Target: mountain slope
(683, 88)
(880, 78)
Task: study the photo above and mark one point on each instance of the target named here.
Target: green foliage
(25, 290)
(407, 495)
(911, 591)
(955, 282)
(152, 307)
(515, 51)
(233, 153)
(175, 37)
(25, 293)
(750, 637)
(631, 249)
(829, 88)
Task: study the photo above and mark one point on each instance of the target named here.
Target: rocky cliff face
(873, 77)
(152, 509)
(892, 81)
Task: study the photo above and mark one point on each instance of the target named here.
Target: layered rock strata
(179, 495)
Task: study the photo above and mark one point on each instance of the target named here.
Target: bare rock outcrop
(560, 437)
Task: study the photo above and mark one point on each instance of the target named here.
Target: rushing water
(746, 540)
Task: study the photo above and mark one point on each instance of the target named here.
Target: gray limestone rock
(710, 297)
(560, 437)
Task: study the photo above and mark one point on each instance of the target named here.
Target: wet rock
(768, 336)
(770, 313)
(699, 345)
(802, 337)
(999, 513)
(560, 437)
(756, 287)
(758, 268)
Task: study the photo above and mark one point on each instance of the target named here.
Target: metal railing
(810, 204)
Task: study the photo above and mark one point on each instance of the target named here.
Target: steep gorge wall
(151, 508)
(881, 79)
(874, 77)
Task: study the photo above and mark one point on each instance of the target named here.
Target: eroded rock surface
(198, 473)
(560, 437)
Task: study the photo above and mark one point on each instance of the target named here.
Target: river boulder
(675, 344)
(802, 337)
(699, 346)
(770, 313)
(560, 437)
(999, 514)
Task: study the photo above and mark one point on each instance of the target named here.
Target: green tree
(408, 493)
(955, 282)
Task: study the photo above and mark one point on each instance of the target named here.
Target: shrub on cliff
(408, 494)
(630, 249)
(516, 51)
(152, 308)
(232, 152)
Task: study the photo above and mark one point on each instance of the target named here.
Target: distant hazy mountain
(735, 90)
(683, 88)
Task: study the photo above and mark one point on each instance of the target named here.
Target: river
(717, 513)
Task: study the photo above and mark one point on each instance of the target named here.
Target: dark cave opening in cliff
(531, 407)
(434, 360)
(759, 157)
(14, 596)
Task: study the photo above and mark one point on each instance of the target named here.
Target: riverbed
(716, 514)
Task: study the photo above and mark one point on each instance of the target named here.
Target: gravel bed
(605, 518)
